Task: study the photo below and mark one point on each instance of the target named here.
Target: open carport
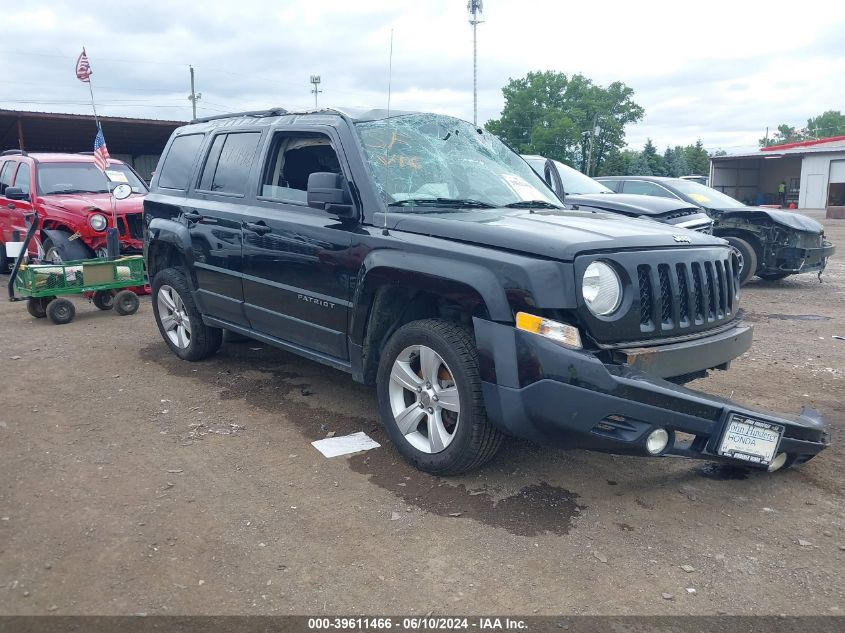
(138, 142)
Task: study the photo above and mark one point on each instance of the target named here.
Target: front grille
(133, 223)
(670, 293)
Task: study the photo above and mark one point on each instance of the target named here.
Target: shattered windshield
(421, 160)
(78, 177)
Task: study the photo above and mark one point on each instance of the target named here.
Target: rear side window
(23, 179)
(646, 188)
(176, 170)
(229, 161)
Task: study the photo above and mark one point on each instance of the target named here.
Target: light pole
(474, 7)
(315, 79)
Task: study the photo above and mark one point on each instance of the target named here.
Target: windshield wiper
(442, 202)
(77, 191)
(532, 204)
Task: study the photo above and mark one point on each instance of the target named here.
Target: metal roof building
(814, 173)
(138, 142)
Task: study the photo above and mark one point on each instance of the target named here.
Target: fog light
(777, 462)
(657, 441)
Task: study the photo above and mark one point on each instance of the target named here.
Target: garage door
(837, 171)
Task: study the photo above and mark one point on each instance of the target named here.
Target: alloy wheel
(424, 399)
(174, 317)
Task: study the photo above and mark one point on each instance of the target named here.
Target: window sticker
(116, 176)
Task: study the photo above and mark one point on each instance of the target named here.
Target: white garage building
(814, 172)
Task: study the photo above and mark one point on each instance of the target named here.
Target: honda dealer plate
(749, 440)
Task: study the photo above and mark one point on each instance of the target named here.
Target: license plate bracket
(750, 440)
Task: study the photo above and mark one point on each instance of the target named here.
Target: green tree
(548, 113)
(675, 162)
(697, 158)
(831, 123)
(654, 160)
(784, 134)
(638, 166)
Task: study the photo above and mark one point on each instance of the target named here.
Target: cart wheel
(61, 311)
(104, 299)
(37, 306)
(126, 302)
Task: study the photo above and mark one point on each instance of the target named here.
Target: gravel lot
(133, 482)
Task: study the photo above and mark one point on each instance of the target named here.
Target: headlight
(559, 332)
(601, 289)
(98, 222)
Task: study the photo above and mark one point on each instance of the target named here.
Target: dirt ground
(132, 482)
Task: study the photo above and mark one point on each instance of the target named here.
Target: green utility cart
(106, 282)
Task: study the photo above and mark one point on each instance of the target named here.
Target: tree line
(575, 121)
(830, 123)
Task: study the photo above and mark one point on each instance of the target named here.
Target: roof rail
(11, 152)
(252, 113)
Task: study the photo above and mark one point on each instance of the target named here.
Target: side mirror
(121, 192)
(330, 192)
(16, 193)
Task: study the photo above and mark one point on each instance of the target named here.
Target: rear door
(298, 268)
(215, 213)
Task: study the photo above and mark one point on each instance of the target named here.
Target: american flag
(83, 68)
(101, 154)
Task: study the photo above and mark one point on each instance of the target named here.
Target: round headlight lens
(98, 222)
(601, 289)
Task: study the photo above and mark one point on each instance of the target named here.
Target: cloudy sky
(721, 71)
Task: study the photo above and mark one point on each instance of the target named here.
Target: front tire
(179, 320)
(58, 248)
(61, 311)
(430, 402)
(126, 302)
(747, 258)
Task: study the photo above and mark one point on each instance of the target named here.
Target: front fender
(172, 235)
(463, 281)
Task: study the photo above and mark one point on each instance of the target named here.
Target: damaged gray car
(770, 243)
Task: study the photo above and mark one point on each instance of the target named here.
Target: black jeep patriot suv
(420, 254)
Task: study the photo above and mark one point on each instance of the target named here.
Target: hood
(82, 202)
(631, 204)
(557, 234)
(784, 218)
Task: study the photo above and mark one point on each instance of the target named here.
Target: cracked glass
(433, 159)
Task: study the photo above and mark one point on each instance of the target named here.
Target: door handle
(257, 227)
(11, 205)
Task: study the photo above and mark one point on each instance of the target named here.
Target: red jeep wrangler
(73, 202)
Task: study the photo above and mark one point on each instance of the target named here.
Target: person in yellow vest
(782, 193)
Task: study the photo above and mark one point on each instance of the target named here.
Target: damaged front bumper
(794, 260)
(540, 390)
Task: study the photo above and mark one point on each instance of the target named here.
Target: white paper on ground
(345, 444)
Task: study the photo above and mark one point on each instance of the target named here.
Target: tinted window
(23, 178)
(291, 160)
(646, 188)
(229, 160)
(6, 175)
(176, 170)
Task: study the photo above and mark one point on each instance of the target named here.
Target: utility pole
(315, 79)
(593, 134)
(194, 96)
(474, 7)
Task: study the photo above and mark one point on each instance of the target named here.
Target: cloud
(722, 74)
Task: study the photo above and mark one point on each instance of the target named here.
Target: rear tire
(61, 311)
(747, 257)
(178, 319)
(126, 302)
(434, 363)
(104, 299)
(37, 306)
